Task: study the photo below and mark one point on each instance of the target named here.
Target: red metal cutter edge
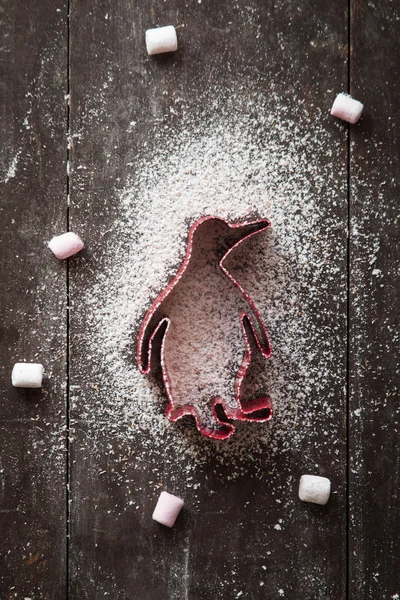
(227, 429)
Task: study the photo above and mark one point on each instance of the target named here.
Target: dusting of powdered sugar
(251, 156)
(12, 169)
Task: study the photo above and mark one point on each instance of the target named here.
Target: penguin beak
(245, 230)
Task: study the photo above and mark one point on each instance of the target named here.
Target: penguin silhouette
(211, 333)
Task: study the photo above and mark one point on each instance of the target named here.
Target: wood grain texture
(243, 533)
(228, 543)
(33, 290)
(374, 342)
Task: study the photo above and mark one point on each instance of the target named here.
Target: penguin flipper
(255, 332)
(254, 404)
(154, 322)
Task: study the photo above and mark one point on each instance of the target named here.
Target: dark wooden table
(76, 505)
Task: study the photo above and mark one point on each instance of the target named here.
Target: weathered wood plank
(33, 69)
(254, 71)
(374, 423)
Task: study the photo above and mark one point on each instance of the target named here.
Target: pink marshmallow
(346, 108)
(167, 509)
(65, 245)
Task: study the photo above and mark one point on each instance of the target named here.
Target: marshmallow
(65, 245)
(314, 489)
(167, 509)
(27, 375)
(346, 108)
(161, 39)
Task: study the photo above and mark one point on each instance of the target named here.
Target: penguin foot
(258, 409)
(212, 427)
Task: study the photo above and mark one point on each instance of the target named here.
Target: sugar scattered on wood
(249, 155)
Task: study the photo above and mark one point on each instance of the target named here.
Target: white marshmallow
(27, 375)
(314, 489)
(161, 39)
(346, 108)
(65, 245)
(167, 509)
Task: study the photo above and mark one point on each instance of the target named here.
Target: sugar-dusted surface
(252, 158)
(374, 419)
(33, 321)
(234, 129)
(244, 533)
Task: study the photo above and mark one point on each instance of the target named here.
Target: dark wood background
(64, 531)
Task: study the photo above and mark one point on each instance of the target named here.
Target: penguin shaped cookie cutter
(209, 333)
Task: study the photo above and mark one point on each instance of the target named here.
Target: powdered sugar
(251, 157)
(12, 169)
